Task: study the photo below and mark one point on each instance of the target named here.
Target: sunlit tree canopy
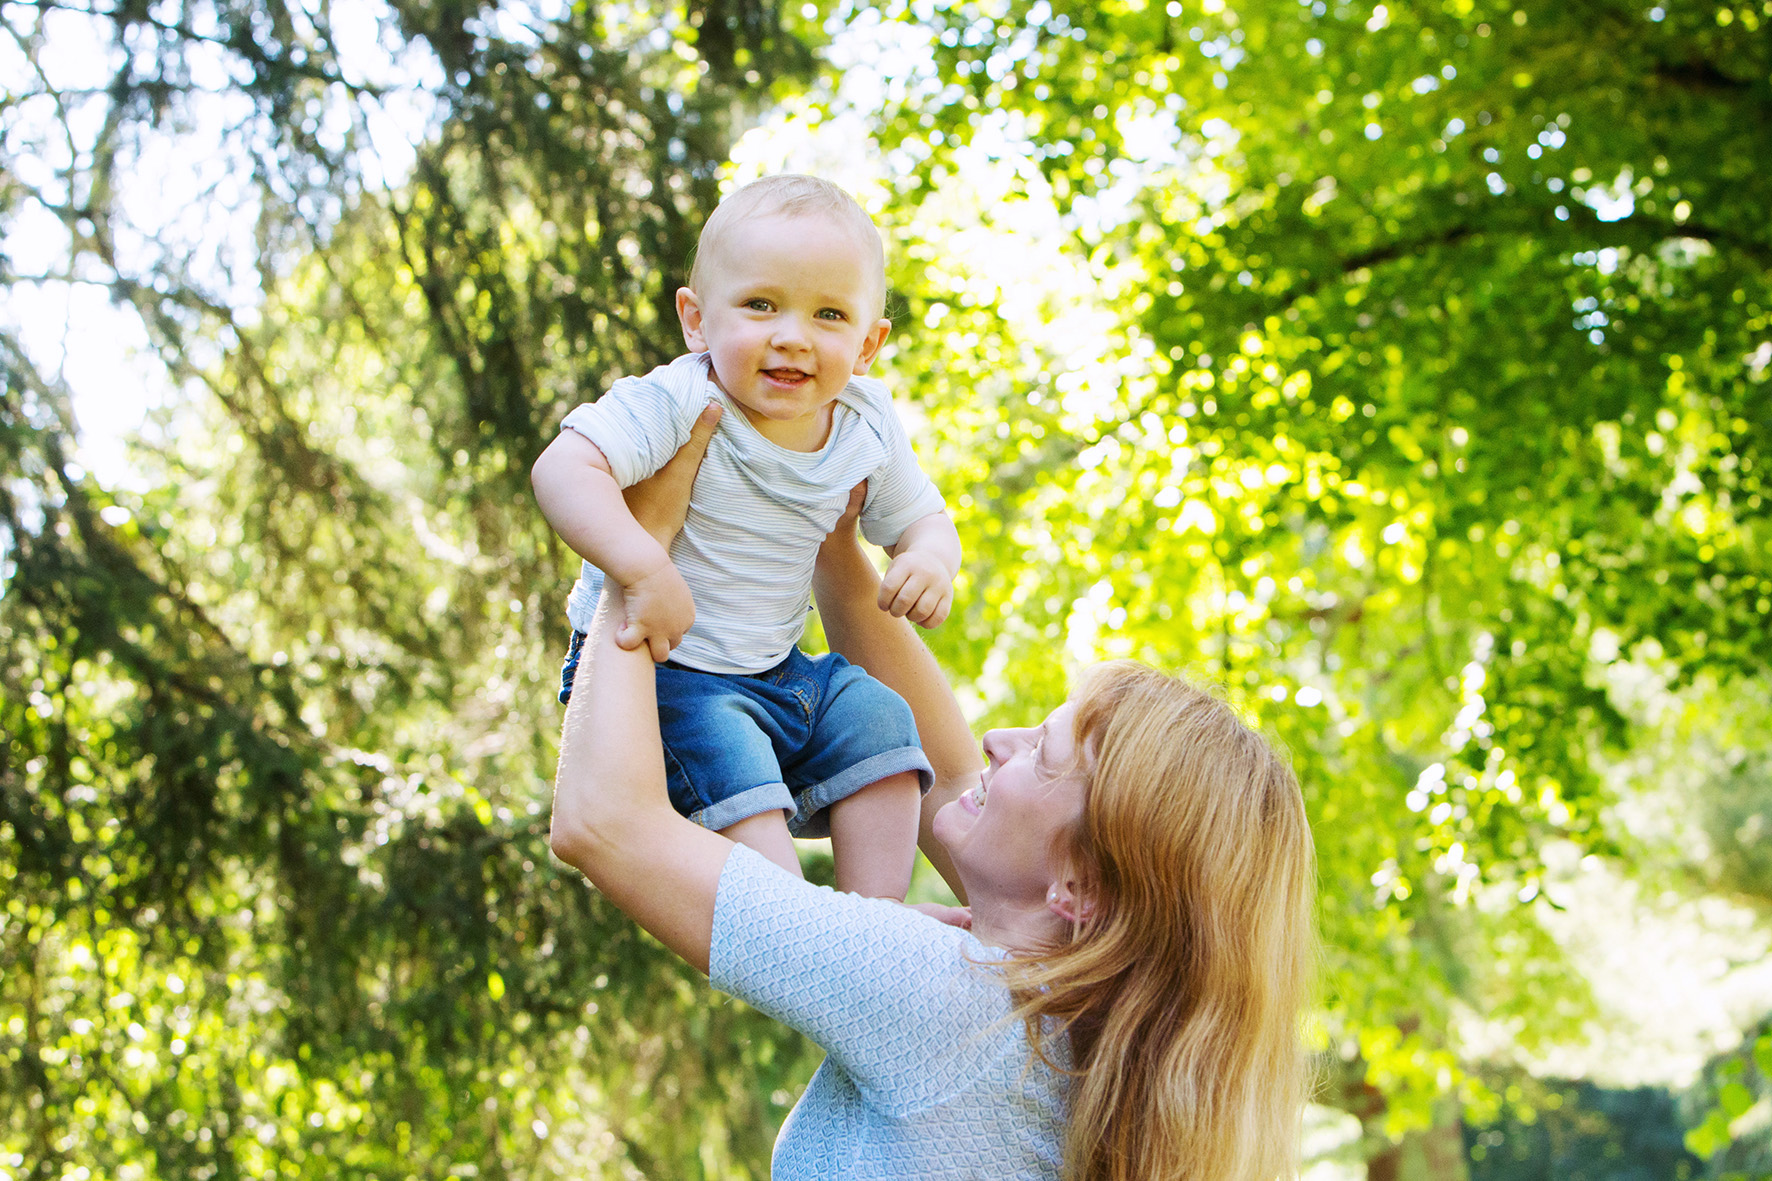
(1402, 368)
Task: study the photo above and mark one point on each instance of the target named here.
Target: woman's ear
(1068, 901)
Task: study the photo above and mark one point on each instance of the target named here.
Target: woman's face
(1003, 834)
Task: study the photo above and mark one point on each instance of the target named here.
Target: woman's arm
(847, 588)
(612, 818)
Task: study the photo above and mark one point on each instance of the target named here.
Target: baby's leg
(874, 837)
(720, 764)
(767, 833)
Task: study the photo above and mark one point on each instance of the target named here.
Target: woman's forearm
(611, 762)
(846, 587)
(613, 820)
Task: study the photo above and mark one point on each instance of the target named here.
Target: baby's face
(789, 310)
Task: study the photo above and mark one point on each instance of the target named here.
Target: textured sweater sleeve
(897, 999)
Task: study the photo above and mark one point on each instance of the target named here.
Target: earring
(1052, 894)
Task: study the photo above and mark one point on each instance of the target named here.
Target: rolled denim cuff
(812, 817)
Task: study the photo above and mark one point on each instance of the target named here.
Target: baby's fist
(917, 587)
(659, 610)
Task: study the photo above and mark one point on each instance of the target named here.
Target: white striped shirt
(759, 511)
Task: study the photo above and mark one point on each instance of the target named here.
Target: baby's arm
(919, 584)
(581, 500)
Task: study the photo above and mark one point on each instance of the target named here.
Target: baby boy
(783, 317)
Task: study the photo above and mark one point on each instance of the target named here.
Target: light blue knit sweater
(924, 1075)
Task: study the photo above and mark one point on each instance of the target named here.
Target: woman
(1139, 875)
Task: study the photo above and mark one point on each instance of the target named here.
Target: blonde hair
(1183, 990)
(793, 195)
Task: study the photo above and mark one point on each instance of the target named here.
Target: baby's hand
(659, 610)
(953, 916)
(917, 586)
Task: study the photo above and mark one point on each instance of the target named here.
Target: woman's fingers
(841, 541)
(858, 496)
(702, 433)
(661, 501)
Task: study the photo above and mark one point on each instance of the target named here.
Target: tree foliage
(1430, 384)
(1443, 341)
(278, 729)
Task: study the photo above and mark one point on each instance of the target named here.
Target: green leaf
(1734, 1100)
(1709, 1137)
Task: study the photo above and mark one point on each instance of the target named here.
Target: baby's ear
(870, 348)
(689, 313)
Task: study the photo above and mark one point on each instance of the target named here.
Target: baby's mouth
(788, 376)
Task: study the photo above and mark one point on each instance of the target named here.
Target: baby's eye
(831, 314)
(758, 305)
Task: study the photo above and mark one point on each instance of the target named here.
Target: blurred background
(1402, 368)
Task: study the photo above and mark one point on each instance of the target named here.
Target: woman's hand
(841, 539)
(613, 819)
(660, 503)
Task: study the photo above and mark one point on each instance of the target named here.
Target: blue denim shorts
(799, 737)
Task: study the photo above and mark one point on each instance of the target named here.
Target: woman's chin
(949, 823)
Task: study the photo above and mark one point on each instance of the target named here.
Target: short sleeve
(642, 421)
(896, 998)
(899, 492)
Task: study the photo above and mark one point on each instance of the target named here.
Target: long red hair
(1183, 991)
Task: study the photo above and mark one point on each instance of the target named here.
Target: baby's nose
(789, 331)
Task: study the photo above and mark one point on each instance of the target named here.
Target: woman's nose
(1000, 744)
